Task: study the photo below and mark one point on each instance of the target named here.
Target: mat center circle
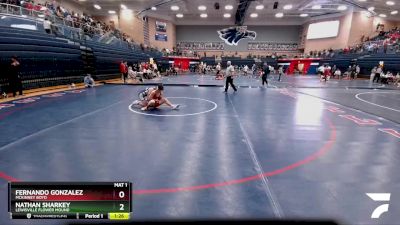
(190, 107)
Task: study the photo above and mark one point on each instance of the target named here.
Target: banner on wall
(161, 26)
(232, 35)
(161, 37)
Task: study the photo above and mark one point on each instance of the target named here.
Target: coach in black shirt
(14, 80)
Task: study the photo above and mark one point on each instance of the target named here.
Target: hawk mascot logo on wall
(233, 35)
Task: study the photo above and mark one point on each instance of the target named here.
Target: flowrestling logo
(379, 197)
(232, 35)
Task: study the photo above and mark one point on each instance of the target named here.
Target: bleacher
(45, 60)
(365, 61)
(391, 62)
(239, 61)
(48, 60)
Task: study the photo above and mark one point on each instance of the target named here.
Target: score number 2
(121, 195)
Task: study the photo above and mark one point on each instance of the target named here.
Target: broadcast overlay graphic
(70, 200)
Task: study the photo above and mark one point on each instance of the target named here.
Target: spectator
(88, 81)
(47, 25)
(396, 79)
(357, 70)
(373, 72)
(385, 77)
(337, 74)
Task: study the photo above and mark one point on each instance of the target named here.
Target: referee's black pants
(377, 77)
(264, 79)
(229, 81)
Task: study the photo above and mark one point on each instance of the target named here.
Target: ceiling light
(203, 15)
(123, 6)
(260, 7)
(362, 0)
(287, 7)
(111, 11)
(279, 15)
(228, 7)
(382, 15)
(179, 15)
(253, 15)
(227, 15)
(390, 3)
(154, 8)
(174, 8)
(394, 12)
(316, 7)
(371, 8)
(366, 13)
(97, 6)
(202, 8)
(303, 15)
(342, 7)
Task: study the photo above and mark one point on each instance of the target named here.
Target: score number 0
(121, 194)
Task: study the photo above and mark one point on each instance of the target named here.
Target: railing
(270, 46)
(200, 45)
(76, 29)
(68, 28)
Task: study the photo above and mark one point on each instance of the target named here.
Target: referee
(266, 72)
(230, 70)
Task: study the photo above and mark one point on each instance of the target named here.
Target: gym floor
(297, 149)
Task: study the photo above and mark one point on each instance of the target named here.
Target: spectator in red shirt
(123, 69)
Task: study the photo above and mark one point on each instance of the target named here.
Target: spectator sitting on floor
(385, 77)
(131, 73)
(337, 74)
(396, 79)
(88, 81)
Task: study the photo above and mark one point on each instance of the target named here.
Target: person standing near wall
(123, 69)
(14, 80)
(280, 71)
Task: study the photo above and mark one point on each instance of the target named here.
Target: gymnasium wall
(277, 34)
(127, 23)
(131, 25)
(171, 34)
(352, 27)
(338, 42)
(361, 25)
